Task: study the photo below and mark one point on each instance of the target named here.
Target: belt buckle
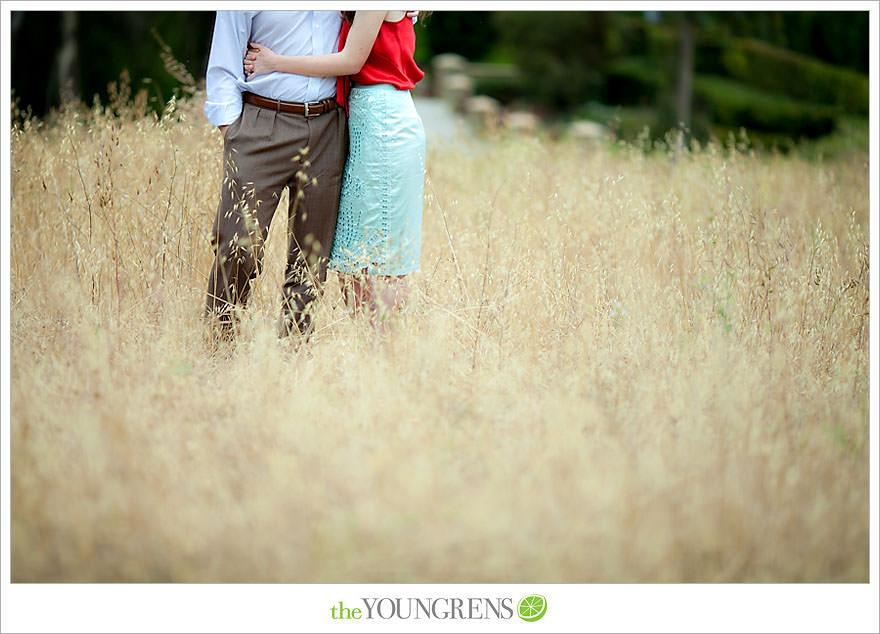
(307, 114)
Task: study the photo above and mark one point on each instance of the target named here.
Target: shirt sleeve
(228, 47)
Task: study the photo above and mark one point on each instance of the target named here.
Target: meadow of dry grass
(615, 366)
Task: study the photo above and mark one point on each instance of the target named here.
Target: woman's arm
(260, 59)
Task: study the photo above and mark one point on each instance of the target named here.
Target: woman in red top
(378, 231)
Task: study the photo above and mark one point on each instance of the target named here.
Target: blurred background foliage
(784, 76)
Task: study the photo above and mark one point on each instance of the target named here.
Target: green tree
(562, 53)
(87, 50)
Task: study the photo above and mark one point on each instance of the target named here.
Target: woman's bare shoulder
(395, 16)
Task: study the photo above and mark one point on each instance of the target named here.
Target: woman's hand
(259, 60)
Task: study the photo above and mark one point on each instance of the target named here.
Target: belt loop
(277, 106)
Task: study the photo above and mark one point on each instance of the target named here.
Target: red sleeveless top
(389, 62)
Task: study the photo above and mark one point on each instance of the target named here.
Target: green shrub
(733, 103)
(633, 80)
(627, 122)
(802, 78)
(505, 89)
(850, 136)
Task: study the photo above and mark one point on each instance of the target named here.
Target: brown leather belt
(310, 109)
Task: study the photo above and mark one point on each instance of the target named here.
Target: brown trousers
(264, 152)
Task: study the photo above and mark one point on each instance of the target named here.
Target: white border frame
(572, 608)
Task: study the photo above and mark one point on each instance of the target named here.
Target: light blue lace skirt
(379, 229)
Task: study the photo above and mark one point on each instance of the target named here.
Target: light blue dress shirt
(286, 33)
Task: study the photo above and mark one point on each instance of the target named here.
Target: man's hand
(223, 129)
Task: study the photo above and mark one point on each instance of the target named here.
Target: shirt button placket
(314, 33)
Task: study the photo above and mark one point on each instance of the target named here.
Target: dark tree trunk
(67, 61)
(685, 87)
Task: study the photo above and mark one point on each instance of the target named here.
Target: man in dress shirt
(280, 130)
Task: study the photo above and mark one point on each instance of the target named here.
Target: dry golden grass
(614, 367)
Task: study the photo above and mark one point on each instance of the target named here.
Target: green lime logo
(532, 608)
